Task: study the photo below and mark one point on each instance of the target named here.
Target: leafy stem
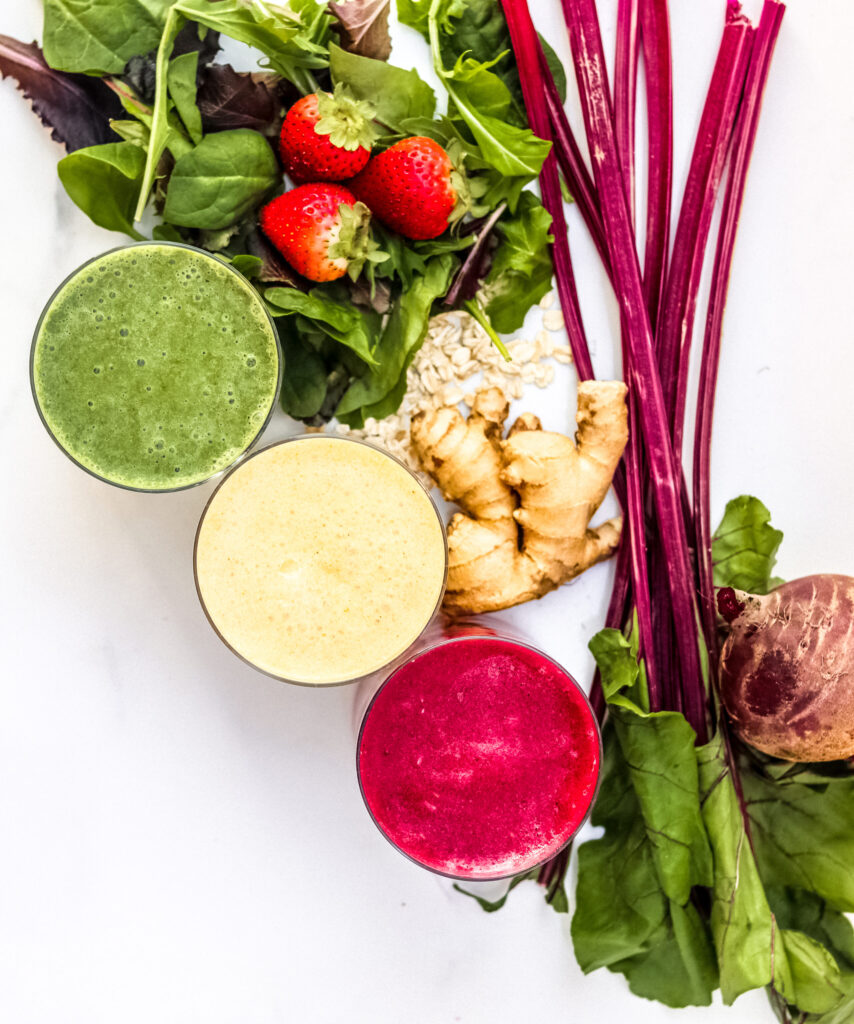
(159, 120)
(479, 313)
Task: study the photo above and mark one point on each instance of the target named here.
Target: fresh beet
(787, 668)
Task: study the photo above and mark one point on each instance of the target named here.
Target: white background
(181, 838)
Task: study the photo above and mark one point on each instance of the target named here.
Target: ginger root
(526, 501)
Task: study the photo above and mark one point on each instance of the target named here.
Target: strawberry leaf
(362, 27)
(346, 120)
(76, 108)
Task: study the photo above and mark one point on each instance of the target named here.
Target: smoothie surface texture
(155, 366)
(320, 560)
(479, 758)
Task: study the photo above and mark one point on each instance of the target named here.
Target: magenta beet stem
(658, 75)
(764, 41)
(589, 60)
(625, 94)
(679, 303)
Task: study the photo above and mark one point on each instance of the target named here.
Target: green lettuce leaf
(292, 37)
(103, 181)
(98, 37)
(379, 392)
(304, 380)
(744, 548)
(395, 94)
(521, 271)
(181, 80)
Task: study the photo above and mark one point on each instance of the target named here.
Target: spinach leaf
(362, 27)
(394, 93)
(103, 181)
(744, 548)
(521, 272)
(221, 180)
(132, 131)
(181, 81)
(356, 329)
(416, 13)
(304, 380)
(78, 109)
(379, 392)
(557, 69)
(481, 32)
(98, 37)
(478, 28)
(249, 266)
(166, 233)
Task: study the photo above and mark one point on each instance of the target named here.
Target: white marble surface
(182, 838)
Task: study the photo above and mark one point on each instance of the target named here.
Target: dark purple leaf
(274, 269)
(189, 39)
(366, 296)
(362, 27)
(478, 260)
(77, 108)
(141, 72)
(240, 99)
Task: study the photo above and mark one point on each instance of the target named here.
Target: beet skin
(787, 668)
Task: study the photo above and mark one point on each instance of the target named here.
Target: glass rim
(321, 435)
(503, 876)
(196, 483)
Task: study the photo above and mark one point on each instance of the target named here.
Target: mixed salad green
(166, 141)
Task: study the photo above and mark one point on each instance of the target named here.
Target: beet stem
(525, 44)
(589, 59)
(658, 76)
(744, 138)
(678, 307)
(625, 93)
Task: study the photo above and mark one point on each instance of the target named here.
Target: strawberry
(413, 188)
(322, 230)
(327, 137)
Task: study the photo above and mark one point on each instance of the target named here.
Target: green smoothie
(155, 366)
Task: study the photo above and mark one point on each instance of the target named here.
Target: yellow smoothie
(320, 560)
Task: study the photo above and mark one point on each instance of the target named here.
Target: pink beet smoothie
(479, 758)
